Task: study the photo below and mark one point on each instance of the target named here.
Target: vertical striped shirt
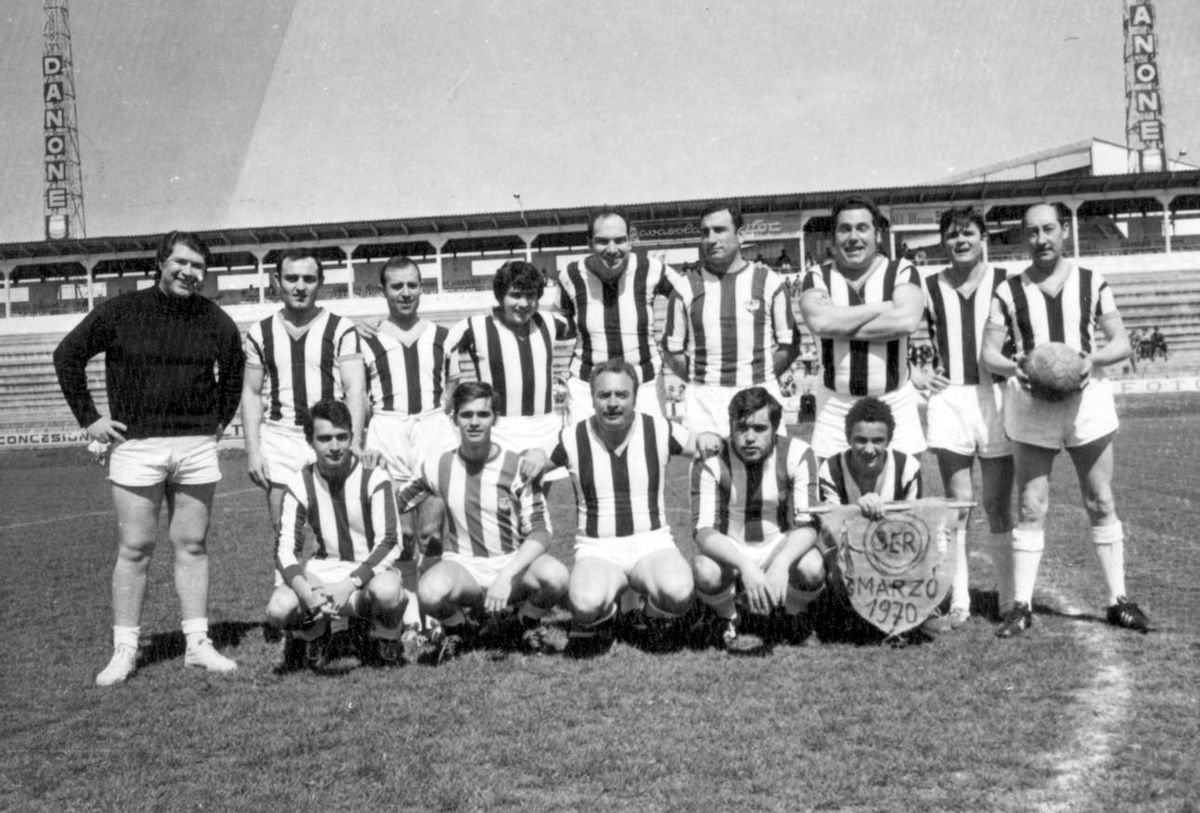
(899, 481)
(484, 515)
(619, 492)
(853, 367)
(1034, 317)
(519, 366)
(956, 322)
(755, 503)
(730, 325)
(298, 372)
(614, 319)
(406, 370)
(353, 520)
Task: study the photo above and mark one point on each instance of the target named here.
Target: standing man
(168, 410)
(729, 325)
(407, 366)
(748, 509)
(617, 460)
(512, 348)
(965, 405)
(1053, 300)
(496, 534)
(609, 299)
(300, 355)
(351, 512)
(863, 307)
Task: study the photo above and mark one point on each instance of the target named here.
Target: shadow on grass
(166, 646)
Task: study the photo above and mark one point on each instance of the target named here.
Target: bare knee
(709, 576)
(282, 607)
(1099, 504)
(386, 591)
(809, 571)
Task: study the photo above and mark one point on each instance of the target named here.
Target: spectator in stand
(1158, 344)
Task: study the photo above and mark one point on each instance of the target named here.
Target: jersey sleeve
(1106, 303)
(382, 507)
(252, 347)
(677, 438)
(911, 479)
(532, 510)
(802, 469)
(558, 455)
(289, 545)
(348, 344)
(813, 281)
(414, 492)
(675, 334)
(705, 495)
(830, 488)
(783, 319)
(908, 275)
(89, 338)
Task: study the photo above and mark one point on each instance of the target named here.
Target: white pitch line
(66, 517)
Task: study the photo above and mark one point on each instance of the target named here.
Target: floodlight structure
(63, 175)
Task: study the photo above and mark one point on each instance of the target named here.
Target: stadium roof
(532, 222)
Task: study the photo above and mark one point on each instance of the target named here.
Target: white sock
(1026, 555)
(1002, 555)
(960, 592)
(1110, 550)
(195, 631)
(127, 636)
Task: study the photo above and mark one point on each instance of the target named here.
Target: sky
(205, 114)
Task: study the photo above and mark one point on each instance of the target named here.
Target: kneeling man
(495, 534)
(748, 509)
(352, 513)
(618, 459)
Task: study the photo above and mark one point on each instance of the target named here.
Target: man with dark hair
(748, 511)
(965, 402)
(301, 354)
(350, 511)
(609, 299)
(512, 348)
(168, 408)
(408, 371)
(495, 532)
(729, 324)
(862, 308)
(1053, 300)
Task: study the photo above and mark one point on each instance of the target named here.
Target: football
(1055, 371)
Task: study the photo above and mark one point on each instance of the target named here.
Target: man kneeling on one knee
(352, 513)
(749, 510)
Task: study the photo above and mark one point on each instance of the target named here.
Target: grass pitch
(1073, 715)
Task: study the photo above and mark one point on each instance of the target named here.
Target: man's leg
(956, 484)
(665, 579)
(189, 507)
(996, 474)
(1032, 465)
(444, 590)
(137, 510)
(592, 590)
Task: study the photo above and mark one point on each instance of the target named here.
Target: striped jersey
(298, 372)
(406, 370)
(614, 319)
(755, 503)
(353, 520)
(899, 481)
(519, 366)
(619, 492)
(1033, 317)
(484, 515)
(853, 367)
(730, 325)
(956, 322)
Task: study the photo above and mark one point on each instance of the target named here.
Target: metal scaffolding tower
(63, 174)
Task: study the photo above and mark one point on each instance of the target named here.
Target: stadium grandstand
(1142, 231)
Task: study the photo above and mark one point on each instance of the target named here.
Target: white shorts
(329, 571)
(579, 399)
(829, 433)
(968, 419)
(520, 432)
(483, 569)
(404, 441)
(1077, 421)
(285, 451)
(186, 460)
(624, 551)
(760, 553)
(706, 407)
